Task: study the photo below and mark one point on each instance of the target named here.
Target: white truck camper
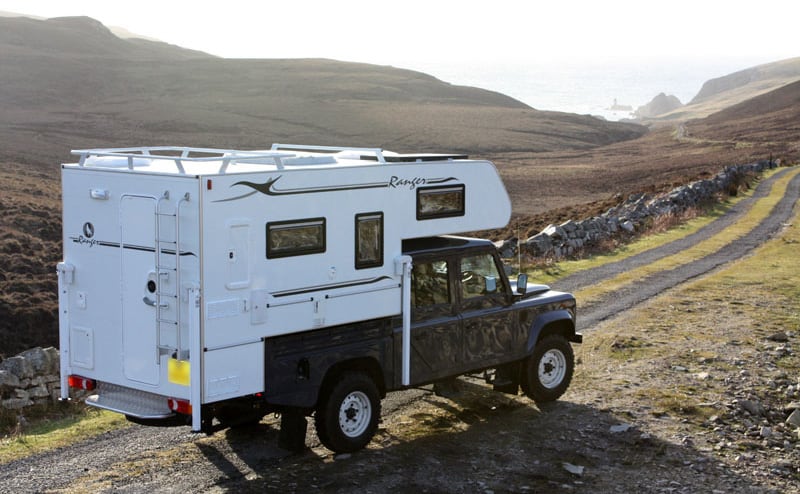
(185, 267)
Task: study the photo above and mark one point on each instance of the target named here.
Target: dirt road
(473, 441)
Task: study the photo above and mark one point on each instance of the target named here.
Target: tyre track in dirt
(66, 467)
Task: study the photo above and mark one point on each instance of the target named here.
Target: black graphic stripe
(329, 287)
(268, 187)
(117, 245)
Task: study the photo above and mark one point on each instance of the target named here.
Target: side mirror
(522, 283)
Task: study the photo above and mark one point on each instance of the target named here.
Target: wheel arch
(367, 365)
(560, 322)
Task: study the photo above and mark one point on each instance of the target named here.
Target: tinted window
(440, 202)
(369, 240)
(296, 237)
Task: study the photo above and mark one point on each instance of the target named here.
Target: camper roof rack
(371, 154)
(139, 156)
(182, 154)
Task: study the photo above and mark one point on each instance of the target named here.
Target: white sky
(404, 32)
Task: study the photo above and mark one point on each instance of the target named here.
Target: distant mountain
(722, 92)
(70, 83)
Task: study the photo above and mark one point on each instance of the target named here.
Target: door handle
(152, 303)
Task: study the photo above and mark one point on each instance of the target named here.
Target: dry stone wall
(570, 237)
(30, 378)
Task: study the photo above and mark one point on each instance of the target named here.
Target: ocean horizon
(589, 88)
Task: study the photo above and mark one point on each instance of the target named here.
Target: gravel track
(645, 288)
(71, 467)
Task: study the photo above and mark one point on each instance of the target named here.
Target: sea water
(589, 87)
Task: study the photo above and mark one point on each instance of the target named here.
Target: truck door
(436, 342)
(490, 335)
(138, 286)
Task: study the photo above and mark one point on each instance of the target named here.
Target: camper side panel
(299, 249)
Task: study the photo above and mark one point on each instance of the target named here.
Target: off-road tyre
(347, 415)
(548, 371)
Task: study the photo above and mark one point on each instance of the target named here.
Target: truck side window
(479, 277)
(429, 284)
(369, 240)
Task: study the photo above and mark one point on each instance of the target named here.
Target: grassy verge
(47, 434)
(690, 351)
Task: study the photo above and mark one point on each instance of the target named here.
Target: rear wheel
(548, 371)
(347, 415)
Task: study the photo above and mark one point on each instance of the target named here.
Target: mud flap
(292, 436)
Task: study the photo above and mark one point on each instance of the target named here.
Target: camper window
(295, 238)
(440, 202)
(369, 240)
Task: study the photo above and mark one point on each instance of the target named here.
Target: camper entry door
(139, 284)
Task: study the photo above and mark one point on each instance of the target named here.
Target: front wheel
(347, 415)
(548, 371)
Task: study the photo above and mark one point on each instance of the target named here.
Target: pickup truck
(467, 317)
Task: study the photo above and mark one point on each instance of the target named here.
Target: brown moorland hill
(757, 120)
(69, 83)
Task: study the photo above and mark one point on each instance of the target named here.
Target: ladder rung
(168, 321)
(166, 268)
(170, 295)
(165, 214)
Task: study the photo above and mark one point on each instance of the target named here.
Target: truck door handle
(152, 303)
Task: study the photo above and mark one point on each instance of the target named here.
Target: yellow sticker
(178, 371)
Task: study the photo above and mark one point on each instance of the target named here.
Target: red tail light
(180, 406)
(79, 382)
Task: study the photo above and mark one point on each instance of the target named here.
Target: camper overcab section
(188, 272)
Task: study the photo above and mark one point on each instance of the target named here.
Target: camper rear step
(129, 401)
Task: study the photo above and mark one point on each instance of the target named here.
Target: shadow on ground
(479, 441)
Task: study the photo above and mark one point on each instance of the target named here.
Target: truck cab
(467, 316)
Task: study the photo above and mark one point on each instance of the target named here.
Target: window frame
(430, 191)
(360, 219)
(276, 226)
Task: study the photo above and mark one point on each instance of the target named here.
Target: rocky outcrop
(571, 237)
(659, 105)
(30, 378)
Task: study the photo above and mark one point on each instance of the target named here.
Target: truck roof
(439, 244)
(210, 161)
